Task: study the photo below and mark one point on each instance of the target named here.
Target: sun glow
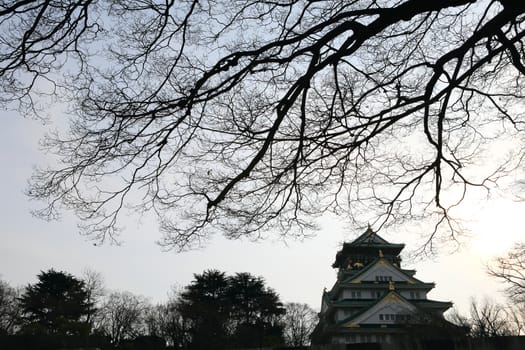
(497, 226)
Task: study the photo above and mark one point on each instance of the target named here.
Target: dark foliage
(228, 312)
(56, 305)
(52, 342)
(205, 304)
(143, 343)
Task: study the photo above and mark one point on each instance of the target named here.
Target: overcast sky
(298, 271)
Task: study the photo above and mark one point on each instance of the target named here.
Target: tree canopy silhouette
(56, 305)
(205, 304)
(250, 116)
(238, 311)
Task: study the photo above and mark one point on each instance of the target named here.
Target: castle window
(383, 278)
(414, 295)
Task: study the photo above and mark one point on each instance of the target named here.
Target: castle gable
(381, 271)
(369, 237)
(391, 309)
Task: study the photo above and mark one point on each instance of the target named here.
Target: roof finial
(369, 230)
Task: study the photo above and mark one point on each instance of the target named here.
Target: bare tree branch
(249, 117)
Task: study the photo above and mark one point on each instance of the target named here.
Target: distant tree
(10, 311)
(154, 318)
(235, 311)
(166, 321)
(57, 304)
(299, 323)
(205, 304)
(488, 320)
(516, 318)
(121, 317)
(456, 318)
(510, 269)
(256, 311)
(95, 290)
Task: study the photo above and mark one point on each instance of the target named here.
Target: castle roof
(392, 298)
(369, 242)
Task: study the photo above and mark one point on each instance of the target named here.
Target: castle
(374, 299)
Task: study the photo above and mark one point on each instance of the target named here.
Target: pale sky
(298, 271)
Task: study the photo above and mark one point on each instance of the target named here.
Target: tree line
(490, 319)
(215, 311)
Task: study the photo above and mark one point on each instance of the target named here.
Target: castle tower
(374, 300)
